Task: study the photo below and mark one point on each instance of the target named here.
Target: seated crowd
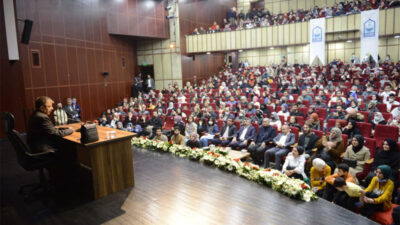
(336, 126)
(263, 18)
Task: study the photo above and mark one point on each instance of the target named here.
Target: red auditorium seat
(255, 125)
(237, 124)
(220, 124)
(187, 112)
(382, 107)
(332, 122)
(321, 112)
(295, 131)
(214, 106)
(385, 131)
(365, 129)
(387, 116)
(304, 110)
(282, 118)
(169, 123)
(318, 133)
(384, 218)
(365, 114)
(370, 143)
(300, 120)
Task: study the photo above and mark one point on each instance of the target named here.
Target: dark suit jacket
(290, 140)
(250, 134)
(231, 132)
(265, 134)
(71, 112)
(42, 135)
(311, 143)
(156, 122)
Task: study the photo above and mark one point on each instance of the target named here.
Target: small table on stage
(110, 160)
(233, 154)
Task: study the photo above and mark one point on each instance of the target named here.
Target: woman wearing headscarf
(294, 163)
(351, 130)
(358, 152)
(191, 127)
(387, 155)
(318, 172)
(255, 102)
(210, 131)
(315, 122)
(170, 108)
(330, 147)
(193, 141)
(378, 194)
(275, 120)
(377, 119)
(284, 111)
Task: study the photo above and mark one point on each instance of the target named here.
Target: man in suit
(41, 133)
(76, 106)
(308, 139)
(283, 142)
(243, 137)
(265, 134)
(73, 116)
(227, 133)
(150, 84)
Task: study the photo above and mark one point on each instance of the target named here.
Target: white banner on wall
(317, 40)
(369, 34)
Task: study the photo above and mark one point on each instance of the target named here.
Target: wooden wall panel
(75, 49)
(137, 18)
(198, 13)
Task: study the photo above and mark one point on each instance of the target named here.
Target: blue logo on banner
(369, 28)
(317, 34)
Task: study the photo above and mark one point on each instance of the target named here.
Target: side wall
(75, 50)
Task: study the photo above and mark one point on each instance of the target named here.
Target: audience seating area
(263, 18)
(241, 93)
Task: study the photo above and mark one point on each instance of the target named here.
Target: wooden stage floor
(168, 190)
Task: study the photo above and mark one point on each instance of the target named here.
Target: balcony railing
(340, 28)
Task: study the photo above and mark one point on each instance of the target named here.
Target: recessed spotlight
(240, 50)
(349, 41)
(208, 53)
(271, 48)
(397, 36)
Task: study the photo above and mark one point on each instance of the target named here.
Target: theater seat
(370, 143)
(385, 131)
(384, 218)
(365, 128)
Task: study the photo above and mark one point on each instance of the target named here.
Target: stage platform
(168, 190)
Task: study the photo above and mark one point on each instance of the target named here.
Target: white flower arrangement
(217, 156)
